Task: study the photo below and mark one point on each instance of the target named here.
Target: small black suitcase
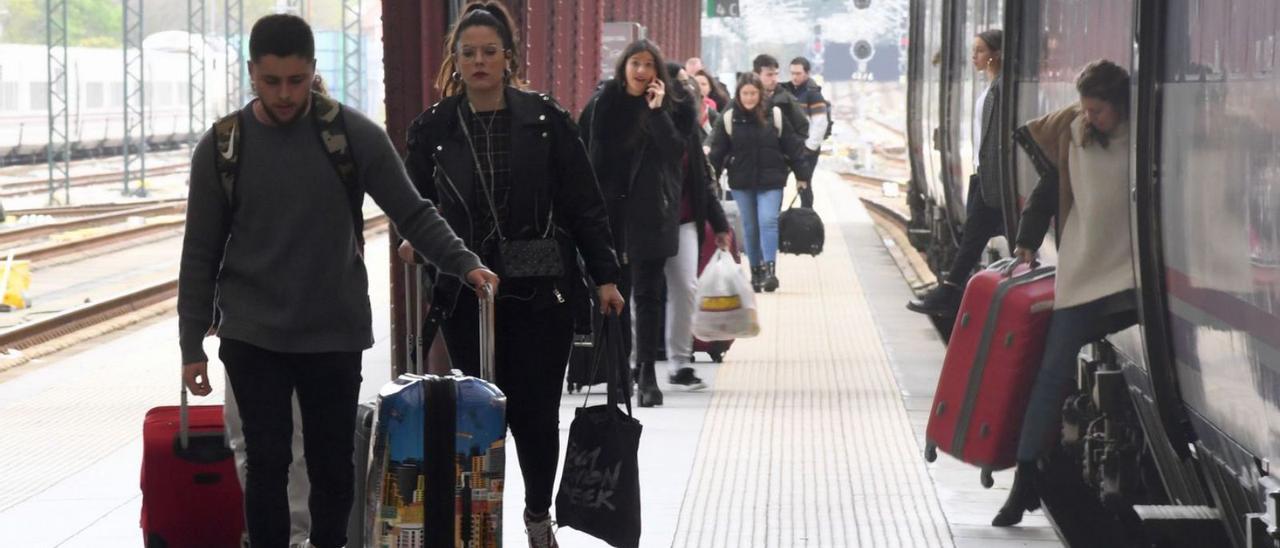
(800, 231)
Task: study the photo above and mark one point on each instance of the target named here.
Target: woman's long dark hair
(717, 89)
(481, 13)
(659, 67)
(749, 79)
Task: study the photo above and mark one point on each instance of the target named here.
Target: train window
(116, 91)
(39, 95)
(9, 96)
(163, 94)
(94, 95)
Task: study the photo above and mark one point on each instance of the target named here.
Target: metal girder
(195, 70)
(135, 105)
(233, 33)
(59, 149)
(352, 55)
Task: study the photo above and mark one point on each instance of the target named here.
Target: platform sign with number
(723, 8)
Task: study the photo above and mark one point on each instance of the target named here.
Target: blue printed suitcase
(437, 458)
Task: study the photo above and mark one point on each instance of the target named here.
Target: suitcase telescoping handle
(184, 424)
(487, 336)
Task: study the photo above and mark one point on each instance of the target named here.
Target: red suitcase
(715, 349)
(990, 366)
(190, 496)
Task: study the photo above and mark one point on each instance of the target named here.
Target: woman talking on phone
(642, 135)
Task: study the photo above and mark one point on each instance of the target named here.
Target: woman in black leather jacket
(508, 172)
(643, 138)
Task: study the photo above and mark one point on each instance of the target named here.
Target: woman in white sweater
(1087, 190)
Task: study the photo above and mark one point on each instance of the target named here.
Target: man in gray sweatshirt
(280, 263)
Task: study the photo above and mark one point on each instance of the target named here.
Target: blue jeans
(1069, 329)
(759, 210)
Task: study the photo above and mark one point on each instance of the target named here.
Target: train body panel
(1219, 180)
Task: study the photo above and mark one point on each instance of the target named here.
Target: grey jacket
(989, 149)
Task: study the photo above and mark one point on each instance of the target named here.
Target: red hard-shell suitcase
(990, 366)
(190, 494)
(715, 349)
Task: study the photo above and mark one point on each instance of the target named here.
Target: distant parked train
(95, 100)
(1170, 439)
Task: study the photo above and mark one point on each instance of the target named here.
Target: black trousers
(982, 222)
(532, 353)
(806, 194)
(645, 282)
(328, 387)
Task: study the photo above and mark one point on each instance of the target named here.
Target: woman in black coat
(507, 170)
(642, 136)
(757, 144)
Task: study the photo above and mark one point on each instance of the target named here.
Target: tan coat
(1051, 133)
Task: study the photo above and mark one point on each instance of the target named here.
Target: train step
(1176, 525)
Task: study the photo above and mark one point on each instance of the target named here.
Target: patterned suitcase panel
(480, 453)
(400, 503)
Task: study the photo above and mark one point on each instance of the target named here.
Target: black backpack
(800, 231)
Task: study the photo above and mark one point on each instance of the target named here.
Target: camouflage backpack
(331, 130)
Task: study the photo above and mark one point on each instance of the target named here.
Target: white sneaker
(541, 531)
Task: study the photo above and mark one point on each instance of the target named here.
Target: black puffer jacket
(756, 156)
(645, 159)
(549, 169)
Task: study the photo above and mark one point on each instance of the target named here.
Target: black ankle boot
(1022, 496)
(648, 395)
(770, 277)
(757, 278)
(941, 300)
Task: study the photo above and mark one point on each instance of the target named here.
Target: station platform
(809, 435)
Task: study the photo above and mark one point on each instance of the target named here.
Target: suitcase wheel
(987, 480)
(716, 356)
(930, 452)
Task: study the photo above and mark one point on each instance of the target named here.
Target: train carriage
(1170, 438)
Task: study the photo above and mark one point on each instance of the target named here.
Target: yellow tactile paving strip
(806, 441)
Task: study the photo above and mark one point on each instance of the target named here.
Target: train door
(1048, 43)
(934, 230)
(978, 16)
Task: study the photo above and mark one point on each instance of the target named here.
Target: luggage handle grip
(1007, 270)
(487, 337)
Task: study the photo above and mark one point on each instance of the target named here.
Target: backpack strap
(331, 128)
(226, 154)
(777, 119)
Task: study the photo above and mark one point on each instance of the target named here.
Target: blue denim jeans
(1069, 329)
(759, 210)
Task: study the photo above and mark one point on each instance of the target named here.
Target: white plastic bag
(726, 306)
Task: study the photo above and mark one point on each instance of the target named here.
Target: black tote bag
(600, 488)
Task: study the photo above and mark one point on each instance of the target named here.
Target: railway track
(83, 317)
(9, 237)
(90, 209)
(36, 186)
